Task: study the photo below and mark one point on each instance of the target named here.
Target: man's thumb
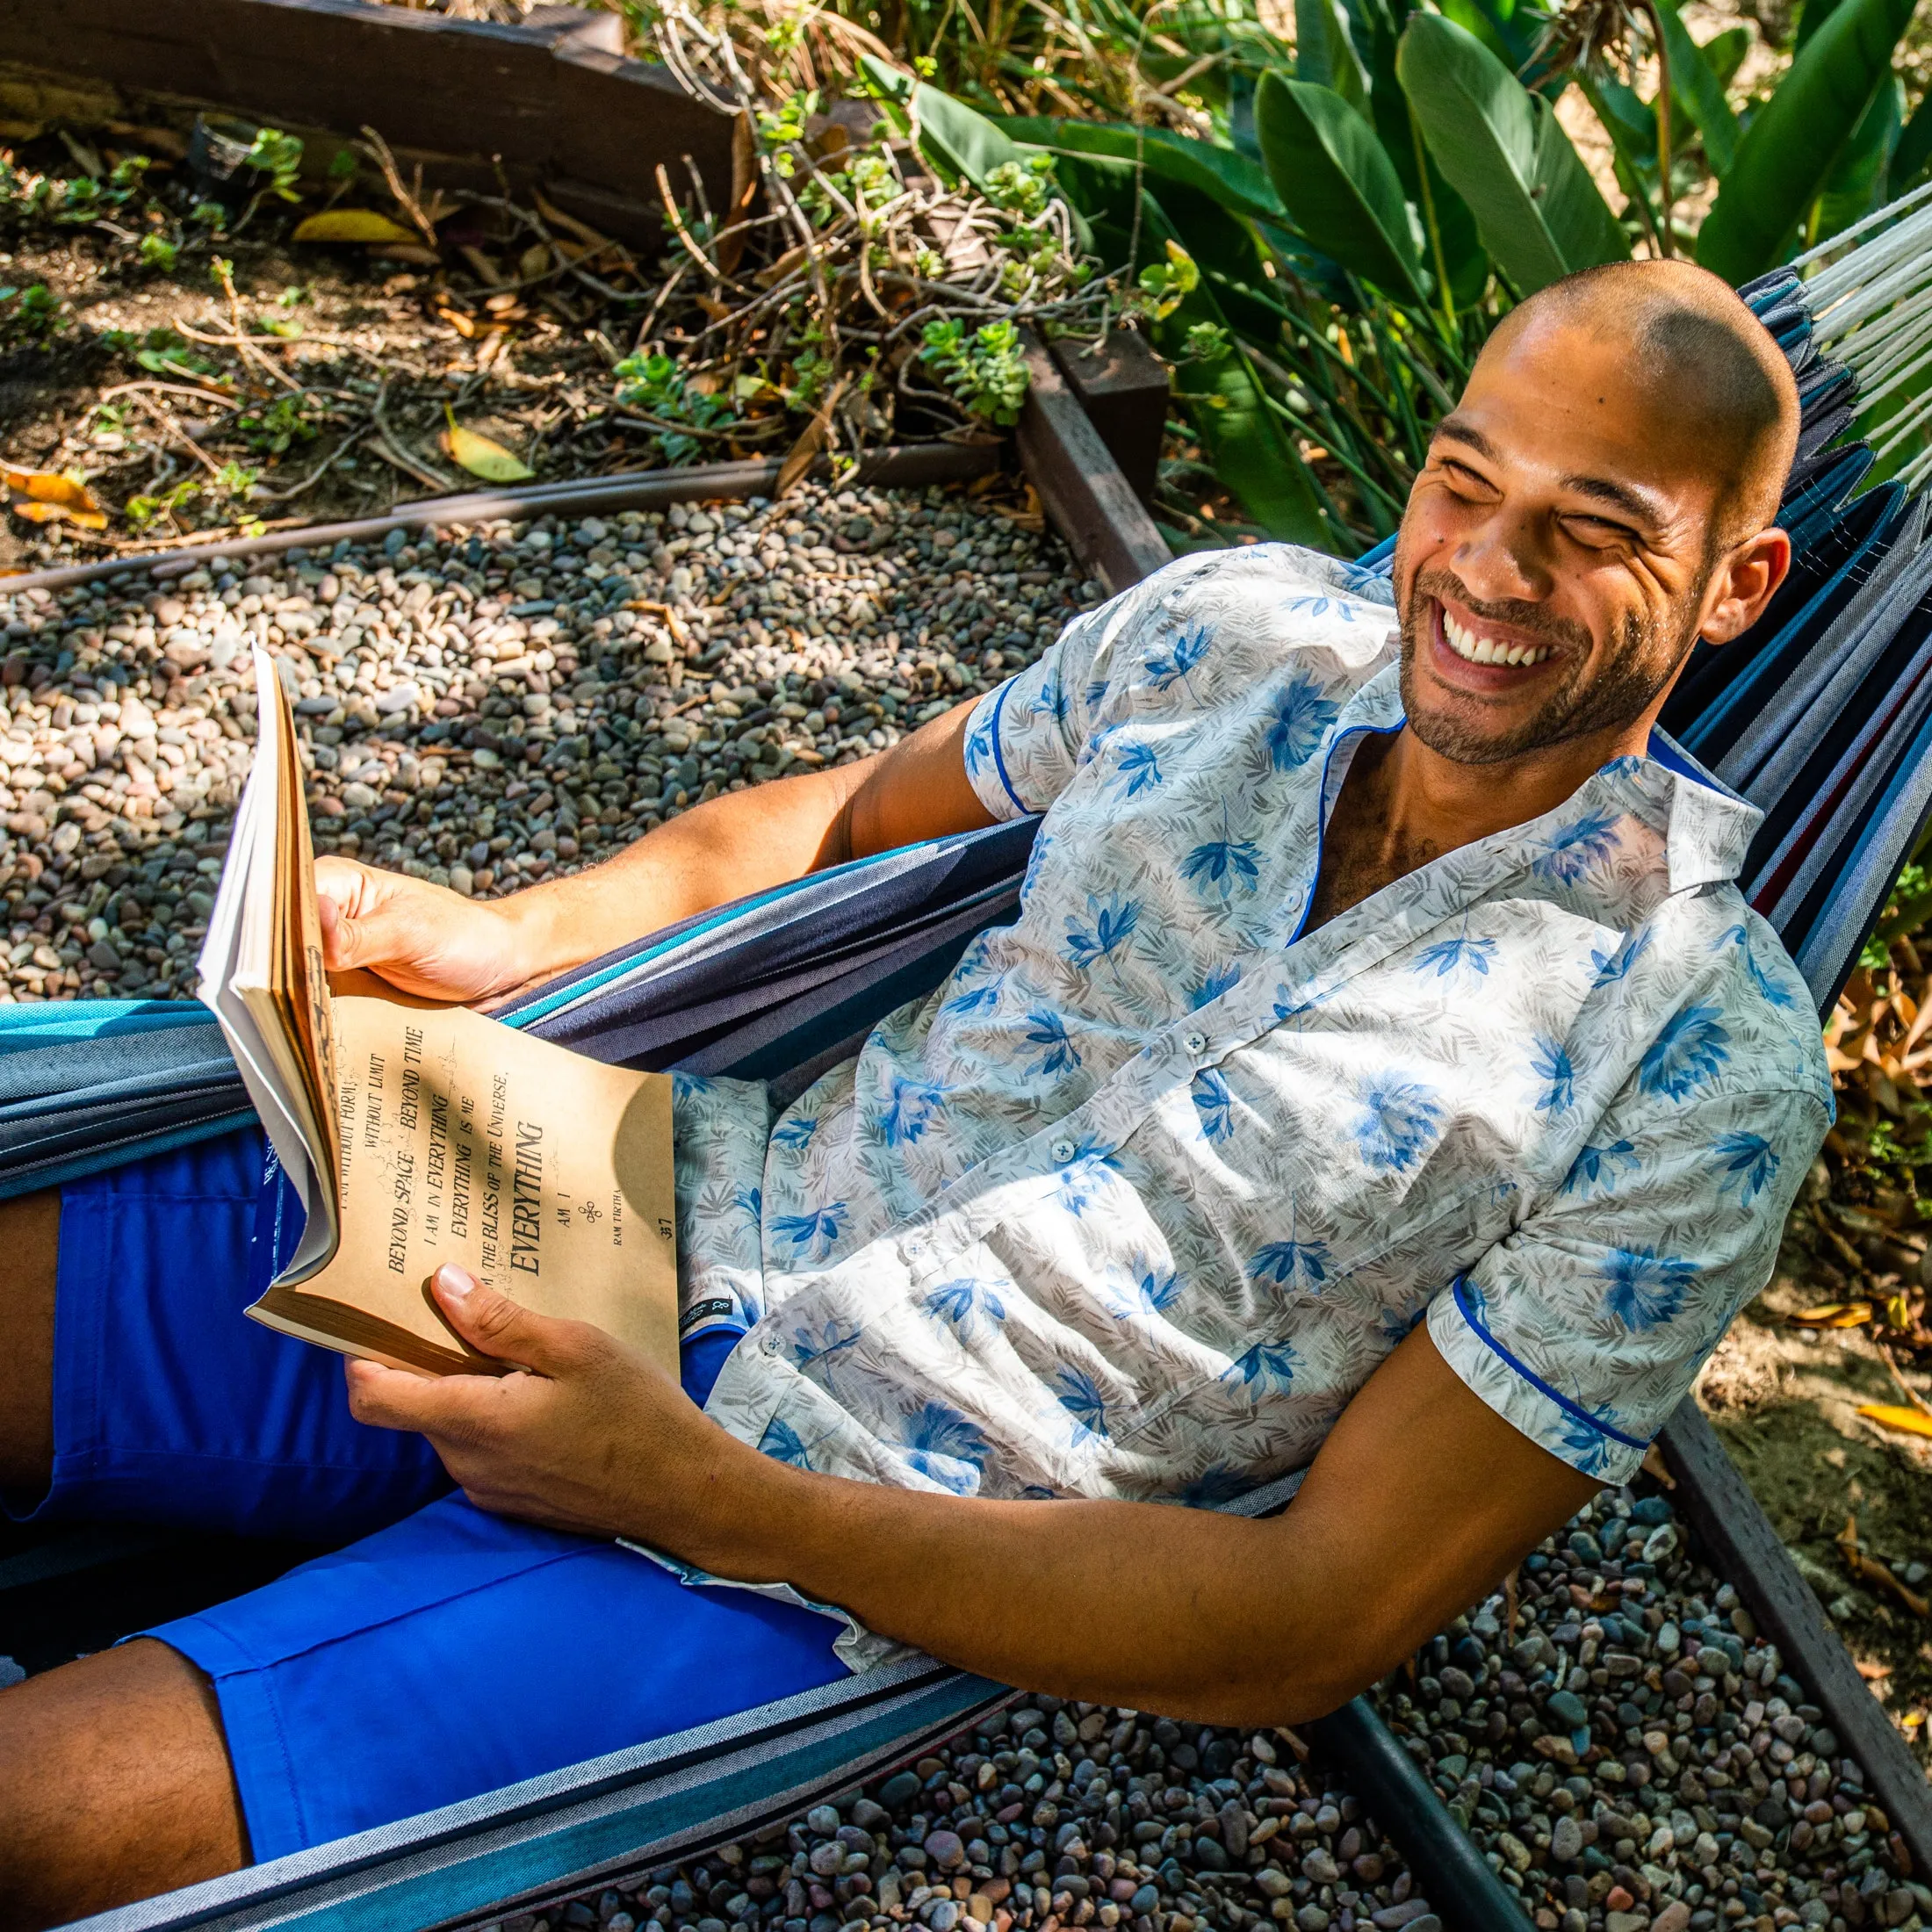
(490, 1322)
(350, 940)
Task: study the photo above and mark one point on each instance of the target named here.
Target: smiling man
(1384, 1078)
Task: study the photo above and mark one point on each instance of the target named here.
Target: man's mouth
(1496, 648)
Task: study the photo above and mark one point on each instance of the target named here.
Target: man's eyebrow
(1633, 502)
(1456, 431)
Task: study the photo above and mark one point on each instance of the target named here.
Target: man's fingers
(500, 1327)
(431, 1405)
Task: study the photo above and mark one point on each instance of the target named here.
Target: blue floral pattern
(1134, 1202)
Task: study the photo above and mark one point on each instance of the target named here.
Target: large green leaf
(1537, 209)
(1856, 185)
(1696, 87)
(1232, 179)
(1377, 27)
(1245, 444)
(1724, 53)
(1339, 185)
(1794, 140)
(960, 141)
(1913, 151)
(1325, 53)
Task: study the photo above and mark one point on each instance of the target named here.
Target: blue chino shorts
(443, 1652)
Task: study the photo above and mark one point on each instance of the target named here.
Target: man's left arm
(1421, 1498)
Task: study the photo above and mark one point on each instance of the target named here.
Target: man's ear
(1742, 584)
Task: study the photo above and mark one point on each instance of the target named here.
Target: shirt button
(1196, 1042)
(1062, 1151)
(914, 1249)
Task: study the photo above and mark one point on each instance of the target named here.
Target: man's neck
(1403, 804)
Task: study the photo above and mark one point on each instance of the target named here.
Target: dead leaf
(588, 235)
(534, 261)
(47, 497)
(1833, 1314)
(810, 445)
(1907, 1422)
(458, 320)
(1869, 1569)
(407, 251)
(353, 225)
(483, 456)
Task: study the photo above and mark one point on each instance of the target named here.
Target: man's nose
(1504, 561)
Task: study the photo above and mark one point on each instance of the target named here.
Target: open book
(417, 1134)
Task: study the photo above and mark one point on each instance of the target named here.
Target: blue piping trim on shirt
(1459, 1289)
(1322, 811)
(999, 757)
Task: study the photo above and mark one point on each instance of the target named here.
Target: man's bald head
(1698, 356)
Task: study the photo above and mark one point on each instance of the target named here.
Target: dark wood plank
(1739, 1543)
(556, 101)
(1081, 484)
(1123, 386)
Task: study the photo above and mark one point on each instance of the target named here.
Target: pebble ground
(483, 708)
(1626, 1751)
(480, 708)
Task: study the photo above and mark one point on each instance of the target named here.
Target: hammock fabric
(1822, 716)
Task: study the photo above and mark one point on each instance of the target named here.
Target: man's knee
(115, 1783)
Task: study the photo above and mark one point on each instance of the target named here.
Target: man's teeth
(1466, 643)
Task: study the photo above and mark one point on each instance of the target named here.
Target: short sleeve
(1587, 1326)
(1023, 741)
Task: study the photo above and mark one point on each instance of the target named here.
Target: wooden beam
(555, 102)
(1090, 501)
(1741, 1544)
(1123, 386)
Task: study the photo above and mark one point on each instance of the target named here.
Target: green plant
(269, 431)
(156, 251)
(660, 391)
(280, 158)
(986, 369)
(141, 511)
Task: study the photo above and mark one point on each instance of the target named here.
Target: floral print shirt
(1135, 1202)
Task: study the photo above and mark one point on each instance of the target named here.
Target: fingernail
(454, 1281)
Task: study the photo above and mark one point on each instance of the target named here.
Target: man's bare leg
(114, 1774)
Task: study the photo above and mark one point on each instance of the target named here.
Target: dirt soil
(317, 391)
(1785, 1400)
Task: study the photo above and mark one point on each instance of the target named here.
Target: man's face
(1555, 562)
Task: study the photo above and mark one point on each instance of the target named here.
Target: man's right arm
(432, 942)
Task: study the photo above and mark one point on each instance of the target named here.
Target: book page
(547, 1175)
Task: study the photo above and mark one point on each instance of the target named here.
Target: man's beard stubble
(1636, 670)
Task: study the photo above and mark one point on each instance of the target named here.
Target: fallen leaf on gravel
(1833, 1314)
(353, 225)
(483, 456)
(1907, 1422)
(45, 496)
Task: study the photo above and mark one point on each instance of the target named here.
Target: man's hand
(421, 938)
(582, 1433)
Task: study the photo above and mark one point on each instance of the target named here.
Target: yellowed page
(545, 1174)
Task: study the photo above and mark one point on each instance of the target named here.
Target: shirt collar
(1707, 828)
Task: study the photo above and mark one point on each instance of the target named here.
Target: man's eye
(1598, 532)
(1460, 476)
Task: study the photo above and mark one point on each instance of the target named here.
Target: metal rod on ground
(910, 466)
(1465, 1893)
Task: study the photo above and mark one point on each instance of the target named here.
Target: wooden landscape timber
(554, 103)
